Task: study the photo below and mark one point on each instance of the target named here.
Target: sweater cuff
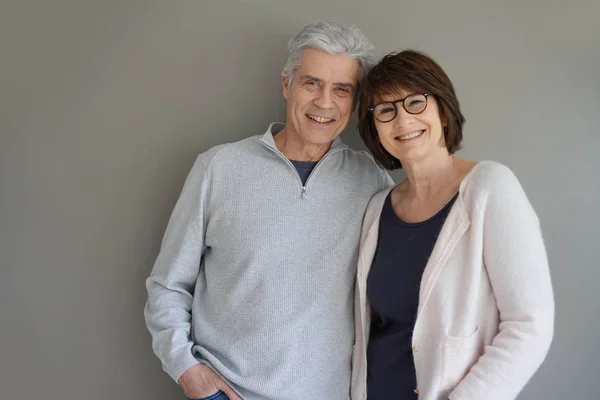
(179, 361)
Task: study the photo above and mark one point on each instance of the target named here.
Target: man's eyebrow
(314, 78)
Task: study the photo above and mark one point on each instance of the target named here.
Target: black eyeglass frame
(393, 103)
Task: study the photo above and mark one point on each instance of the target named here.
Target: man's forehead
(329, 67)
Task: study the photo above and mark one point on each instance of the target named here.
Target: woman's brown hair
(417, 72)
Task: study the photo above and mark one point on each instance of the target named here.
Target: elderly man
(251, 295)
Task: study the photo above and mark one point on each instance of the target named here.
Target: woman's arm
(517, 265)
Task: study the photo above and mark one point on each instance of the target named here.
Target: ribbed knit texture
(255, 275)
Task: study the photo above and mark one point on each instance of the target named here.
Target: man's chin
(322, 134)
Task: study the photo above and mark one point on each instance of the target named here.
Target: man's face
(320, 98)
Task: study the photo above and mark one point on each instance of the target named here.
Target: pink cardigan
(486, 309)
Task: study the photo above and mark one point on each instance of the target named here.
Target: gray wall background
(105, 104)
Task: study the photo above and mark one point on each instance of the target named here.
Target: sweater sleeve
(517, 265)
(171, 283)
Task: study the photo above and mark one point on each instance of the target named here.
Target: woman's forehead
(391, 93)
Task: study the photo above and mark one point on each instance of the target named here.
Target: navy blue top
(403, 250)
(304, 169)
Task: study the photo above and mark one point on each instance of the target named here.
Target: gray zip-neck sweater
(255, 274)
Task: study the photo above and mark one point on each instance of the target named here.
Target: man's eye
(344, 91)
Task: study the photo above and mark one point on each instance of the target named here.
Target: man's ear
(284, 84)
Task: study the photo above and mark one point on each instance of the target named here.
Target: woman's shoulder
(490, 181)
(487, 171)
(488, 176)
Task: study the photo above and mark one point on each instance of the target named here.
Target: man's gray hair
(332, 38)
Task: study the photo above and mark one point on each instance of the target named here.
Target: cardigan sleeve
(516, 261)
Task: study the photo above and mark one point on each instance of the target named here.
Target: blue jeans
(217, 396)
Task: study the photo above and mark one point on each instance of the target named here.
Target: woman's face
(411, 137)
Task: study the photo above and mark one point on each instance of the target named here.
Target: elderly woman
(454, 298)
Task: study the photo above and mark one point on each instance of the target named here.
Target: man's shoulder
(361, 165)
(361, 159)
(224, 151)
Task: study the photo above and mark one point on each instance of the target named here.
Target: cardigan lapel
(368, 246)
(455, 226)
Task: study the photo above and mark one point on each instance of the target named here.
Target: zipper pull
(303, 192)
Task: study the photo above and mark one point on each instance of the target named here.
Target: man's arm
(385, 180)
(171, 284)
(168, 311)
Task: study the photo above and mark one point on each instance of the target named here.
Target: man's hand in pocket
(200, 381)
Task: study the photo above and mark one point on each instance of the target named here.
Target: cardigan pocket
(459, 354)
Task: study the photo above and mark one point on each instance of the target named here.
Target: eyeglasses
(413, 104)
